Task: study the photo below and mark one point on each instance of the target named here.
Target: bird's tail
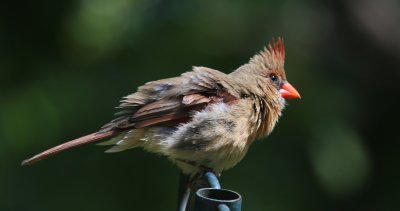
(70, 144)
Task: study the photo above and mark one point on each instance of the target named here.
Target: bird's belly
(215, 138)
(225, 158)
(217, 160)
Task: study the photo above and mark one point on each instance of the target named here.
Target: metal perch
(208, 194)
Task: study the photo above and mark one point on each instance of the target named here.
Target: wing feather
(172, 101)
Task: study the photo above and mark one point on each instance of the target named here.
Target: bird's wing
(172, 101)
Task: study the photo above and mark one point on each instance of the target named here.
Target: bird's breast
(216, 137)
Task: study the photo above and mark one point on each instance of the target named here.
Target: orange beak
(288, 91)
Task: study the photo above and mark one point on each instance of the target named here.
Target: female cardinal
(201, 119)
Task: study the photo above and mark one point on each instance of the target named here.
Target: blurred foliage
(65, 64)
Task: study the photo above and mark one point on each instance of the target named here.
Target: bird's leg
(198, 179)
(201, 179)
(202, 169)
(194, 177)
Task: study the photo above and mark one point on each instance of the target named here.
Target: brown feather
(74, 143)
(175, 111)
(172, 119)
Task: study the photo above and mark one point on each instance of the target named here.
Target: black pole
(183, 192)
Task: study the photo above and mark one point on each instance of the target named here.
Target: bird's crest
(277, 48)
(272, 56)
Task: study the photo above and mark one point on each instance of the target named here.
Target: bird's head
(269, 64)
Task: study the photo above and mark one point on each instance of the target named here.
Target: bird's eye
(273, 77)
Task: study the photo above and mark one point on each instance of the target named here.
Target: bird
(202, 119)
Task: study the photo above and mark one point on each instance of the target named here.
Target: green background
(66, 64)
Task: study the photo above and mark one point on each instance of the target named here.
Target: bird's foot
(205, 169)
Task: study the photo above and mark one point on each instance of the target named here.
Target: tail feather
(67, 145)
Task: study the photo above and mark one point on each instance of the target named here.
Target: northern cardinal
(201, 119)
